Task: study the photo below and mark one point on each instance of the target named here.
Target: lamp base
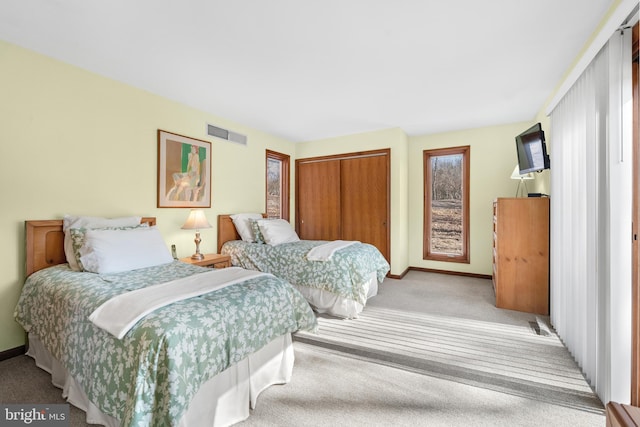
(526, 190)
(197, 256)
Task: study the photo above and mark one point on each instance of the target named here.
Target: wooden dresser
(521, 254)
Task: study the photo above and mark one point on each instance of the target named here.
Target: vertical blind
(591, 185)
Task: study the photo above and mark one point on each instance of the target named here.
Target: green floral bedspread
(149, 377)
(344, 274)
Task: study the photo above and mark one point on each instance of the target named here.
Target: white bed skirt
(327, 302)
(222, 401)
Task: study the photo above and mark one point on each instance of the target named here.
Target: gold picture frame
(184, 171)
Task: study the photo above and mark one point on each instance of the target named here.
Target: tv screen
(532, 150)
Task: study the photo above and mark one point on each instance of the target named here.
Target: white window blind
(591, 183)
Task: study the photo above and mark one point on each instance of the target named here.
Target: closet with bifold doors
(345, 197)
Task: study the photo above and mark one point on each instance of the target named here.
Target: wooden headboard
(227, 231)
(45, 243)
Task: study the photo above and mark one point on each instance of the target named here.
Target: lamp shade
(516, 174)
(196, 220)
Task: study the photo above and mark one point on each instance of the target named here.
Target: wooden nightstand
(210, 260)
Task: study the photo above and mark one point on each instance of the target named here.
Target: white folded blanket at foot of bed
(120, 313)
(325, 251)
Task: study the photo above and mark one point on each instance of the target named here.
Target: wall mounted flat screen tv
(532, 150)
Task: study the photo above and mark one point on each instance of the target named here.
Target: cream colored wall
(493, 157)
(74, 142)
(397, 141)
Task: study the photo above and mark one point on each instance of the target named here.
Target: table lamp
(196, 221)
(516, 175)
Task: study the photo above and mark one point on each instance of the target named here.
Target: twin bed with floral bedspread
(214, 340)
(335, 277)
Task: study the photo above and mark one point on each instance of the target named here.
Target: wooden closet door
(318, 200)
(364, 200)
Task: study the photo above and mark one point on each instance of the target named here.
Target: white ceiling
(307, 70)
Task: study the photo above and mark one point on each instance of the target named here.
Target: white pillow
(113, 251)
(243, 226)
(277, 231)
(74, 221)
(77, 239)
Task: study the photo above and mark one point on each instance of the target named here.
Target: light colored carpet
(515, 353)
(504, 358)
(333, 390)
(449, 358)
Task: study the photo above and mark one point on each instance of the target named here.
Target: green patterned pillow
(256, 230)
(77, 238)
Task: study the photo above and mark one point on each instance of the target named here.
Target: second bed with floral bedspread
(338, 286)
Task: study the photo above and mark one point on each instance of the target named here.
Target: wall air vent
(225, 134)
